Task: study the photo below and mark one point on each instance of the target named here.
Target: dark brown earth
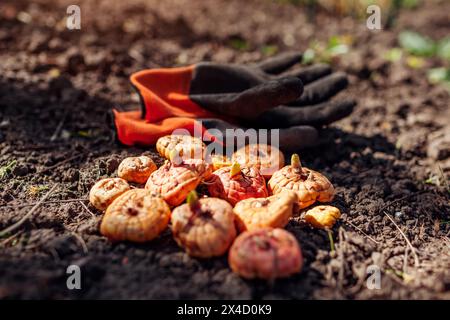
(61, 83)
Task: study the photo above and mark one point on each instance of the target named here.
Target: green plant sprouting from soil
(403, 275)
(239, 44)
(439, 180)
(417, 50)
(330, 238)
(269, 50)
(35, 190)
(326, 52)
(7, 169)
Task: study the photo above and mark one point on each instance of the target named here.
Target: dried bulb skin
(248, 184)
(188, 147)
(135, 216)
(257, 213)
(310, 186)
(266, 254)
(104, 192)
(173, 182)
(203, 169)
(266, 158)
(322, 216)
(136, 169)
(204, 229)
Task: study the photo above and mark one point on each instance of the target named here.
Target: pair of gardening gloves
(215, 97)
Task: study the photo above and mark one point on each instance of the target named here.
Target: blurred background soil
(390, 159)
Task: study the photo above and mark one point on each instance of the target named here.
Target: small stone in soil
(111, 165)
(20, 170)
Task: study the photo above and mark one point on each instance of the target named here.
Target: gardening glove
(228, 96)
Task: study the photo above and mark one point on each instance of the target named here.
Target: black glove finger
(279, 63)
(233, 135)
(220, 129)
(254, 101)
(322, 89)
(210, 77)
(298, 137)
(316, 115)
(310, 73)
(288, 139)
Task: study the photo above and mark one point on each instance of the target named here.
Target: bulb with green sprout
(236, 183)
(309, 185)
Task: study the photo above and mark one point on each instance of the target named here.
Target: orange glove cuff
(166, 106)
(165, 94)
(131, 129)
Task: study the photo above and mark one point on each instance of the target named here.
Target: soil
(57, 86)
